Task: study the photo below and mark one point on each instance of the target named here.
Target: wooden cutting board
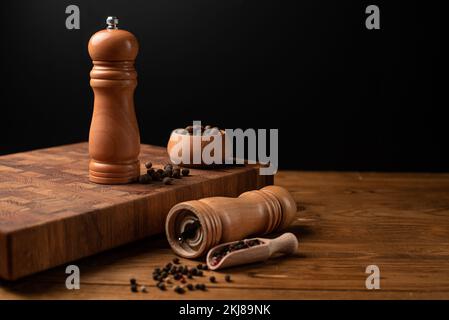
(51, 214)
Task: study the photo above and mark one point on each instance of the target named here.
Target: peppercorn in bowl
(197, 147)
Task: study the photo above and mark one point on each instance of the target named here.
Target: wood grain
(51, 214)
(346, 221)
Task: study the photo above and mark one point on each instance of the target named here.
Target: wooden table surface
(346, 221)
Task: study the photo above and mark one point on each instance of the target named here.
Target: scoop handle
(286, 244)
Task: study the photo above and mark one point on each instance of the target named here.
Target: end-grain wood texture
(346, 221)
(51, 214)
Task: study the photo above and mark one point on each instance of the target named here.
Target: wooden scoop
(286, 244)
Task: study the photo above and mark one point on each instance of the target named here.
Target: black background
(343, 97)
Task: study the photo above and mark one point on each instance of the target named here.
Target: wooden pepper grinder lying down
(194, 227)
(114, 140)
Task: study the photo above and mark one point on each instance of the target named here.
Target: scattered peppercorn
(179, 289)
(144, 179)
(176, 174)
(168, 173)
(200, 286)
(156, 176)
(177, 276)
(134, 288)
(202, 266)
(228, 278)
(148, 165)
(132, 281)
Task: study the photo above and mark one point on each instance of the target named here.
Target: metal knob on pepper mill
(114, 140)
(194, 227)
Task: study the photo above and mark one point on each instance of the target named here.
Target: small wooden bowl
(180, 141)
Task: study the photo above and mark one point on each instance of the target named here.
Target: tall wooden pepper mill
(194, 227)
(114, 140)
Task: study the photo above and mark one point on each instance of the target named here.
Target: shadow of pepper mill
(114, 140)
(193, 227)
